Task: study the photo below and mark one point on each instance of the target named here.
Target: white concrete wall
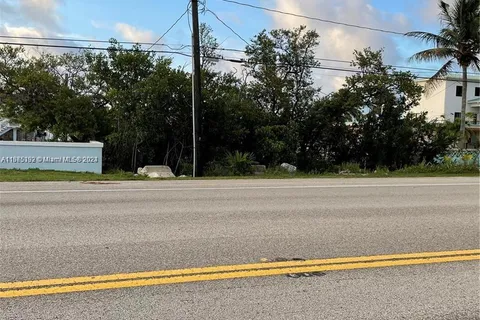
(60, 156)
(433, 103)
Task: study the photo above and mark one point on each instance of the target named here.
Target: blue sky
(146, 20)
(98, 19)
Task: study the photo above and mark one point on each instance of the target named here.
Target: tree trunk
(464, 107)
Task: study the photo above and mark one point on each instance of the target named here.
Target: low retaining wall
(459, 157)
(60, 156)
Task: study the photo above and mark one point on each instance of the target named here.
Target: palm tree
(458, 42)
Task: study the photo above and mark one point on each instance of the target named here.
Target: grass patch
(349, 171)
(438, 170)
(50, 175)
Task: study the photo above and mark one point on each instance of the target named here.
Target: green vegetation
(240, 163)
(139, 105)
(433, 170)
(144, 117)
(345, 171)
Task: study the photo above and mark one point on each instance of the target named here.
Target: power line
(391, 65)
(233, 60)
(331, 68)
(314, 18)
(170, 46)
(91, 48)
(226, 25)
(171, 27)
(183, 46)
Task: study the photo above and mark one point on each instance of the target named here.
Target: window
(477, 91)
(457, 115)
(459, 91)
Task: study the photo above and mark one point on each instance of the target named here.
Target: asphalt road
(53, 230)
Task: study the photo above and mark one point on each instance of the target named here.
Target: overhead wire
(226, 25)
(170, 46)
(313, 18)
(183, 46)
(229, 59)
(171, 27)
(91, 48)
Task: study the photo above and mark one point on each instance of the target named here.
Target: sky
(146, 20)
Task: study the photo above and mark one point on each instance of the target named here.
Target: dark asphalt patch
(296, 275)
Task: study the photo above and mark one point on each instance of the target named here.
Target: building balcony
(474, 103)
(472, 125)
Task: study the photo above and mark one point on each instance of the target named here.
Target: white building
(445, 103)
(10, 131)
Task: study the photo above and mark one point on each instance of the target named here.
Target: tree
(458, 42)
(27, 91)
(277, 143)
(120, 76)
(208, 47)
(327, 136)
(280, 63)
(38, 94)
(140, 107)
(80, 113)
(229, 120)
(383, 98)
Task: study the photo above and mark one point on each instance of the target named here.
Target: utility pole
(196, 93)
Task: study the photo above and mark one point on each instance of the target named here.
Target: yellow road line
(227, 268)
(227, 275)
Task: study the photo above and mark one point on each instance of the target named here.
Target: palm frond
(469, 59)
(439, 76)
(429, 37)
(450, 34)
(445, 15)
(434, 54)
(476, 64)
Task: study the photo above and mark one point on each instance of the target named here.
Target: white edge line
(239, 188)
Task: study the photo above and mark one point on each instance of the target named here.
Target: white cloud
(338, 42)
(6, 29)
(42, 12)
(132, 33)
(33, 18)
(30, 18)
(20, 31)
(37, 46)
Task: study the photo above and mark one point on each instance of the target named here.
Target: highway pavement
(410, 244)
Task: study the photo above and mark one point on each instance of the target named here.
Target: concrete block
(290, 168)
(156, 172)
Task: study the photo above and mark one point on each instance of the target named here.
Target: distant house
(445, 103)
(10, 131)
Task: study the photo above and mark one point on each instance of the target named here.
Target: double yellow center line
(161, 277)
